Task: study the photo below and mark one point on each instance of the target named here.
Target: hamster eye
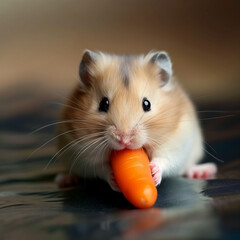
(146, 105)
(104, 105)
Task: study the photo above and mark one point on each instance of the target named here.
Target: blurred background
(41, 41)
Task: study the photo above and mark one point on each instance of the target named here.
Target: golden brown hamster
(130, 101)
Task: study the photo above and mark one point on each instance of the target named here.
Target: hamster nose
(124, 139)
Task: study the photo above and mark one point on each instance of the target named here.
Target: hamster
(130, 101)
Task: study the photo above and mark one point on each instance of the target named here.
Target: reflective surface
(32, 206)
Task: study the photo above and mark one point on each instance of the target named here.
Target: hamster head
(124, 101)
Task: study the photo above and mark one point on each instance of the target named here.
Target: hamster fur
(127, 101)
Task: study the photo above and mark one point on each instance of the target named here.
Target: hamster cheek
(139, 140)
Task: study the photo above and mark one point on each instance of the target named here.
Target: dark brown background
(41, 41)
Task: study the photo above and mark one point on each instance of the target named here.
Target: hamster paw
(113, 183)
(202, 171)
(156, 173)
(66, 180)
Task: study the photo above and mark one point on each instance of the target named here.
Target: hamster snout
(124, 139)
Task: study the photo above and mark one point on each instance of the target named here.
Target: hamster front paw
(113, 183)
(156, 172)
(105, 173)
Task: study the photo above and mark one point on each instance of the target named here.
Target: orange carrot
(133, 175)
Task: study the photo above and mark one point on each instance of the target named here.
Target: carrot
(133, 176)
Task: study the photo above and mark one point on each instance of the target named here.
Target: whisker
(68, 146)
(210, 118)
(139, 120)
(99, 148)
(221, 111)
(85, 149)
(210, 146)
(146, 122)
(71, 107)
(96, 135)
(62, 122)
(90, 144)
(50, 140)
(89, 136)
(218, 159)
(76, 152)
(71, 99)
(105, 148)
(49, 125)
(169, 112)
(154, 141)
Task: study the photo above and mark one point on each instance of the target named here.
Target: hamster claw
(156, 173)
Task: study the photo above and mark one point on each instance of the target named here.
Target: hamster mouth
(119, 146)
(146, 148)
(122, 146)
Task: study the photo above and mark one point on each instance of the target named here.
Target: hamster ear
(163, 61)
(88, 58)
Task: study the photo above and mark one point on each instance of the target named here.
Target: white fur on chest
(182, 149)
